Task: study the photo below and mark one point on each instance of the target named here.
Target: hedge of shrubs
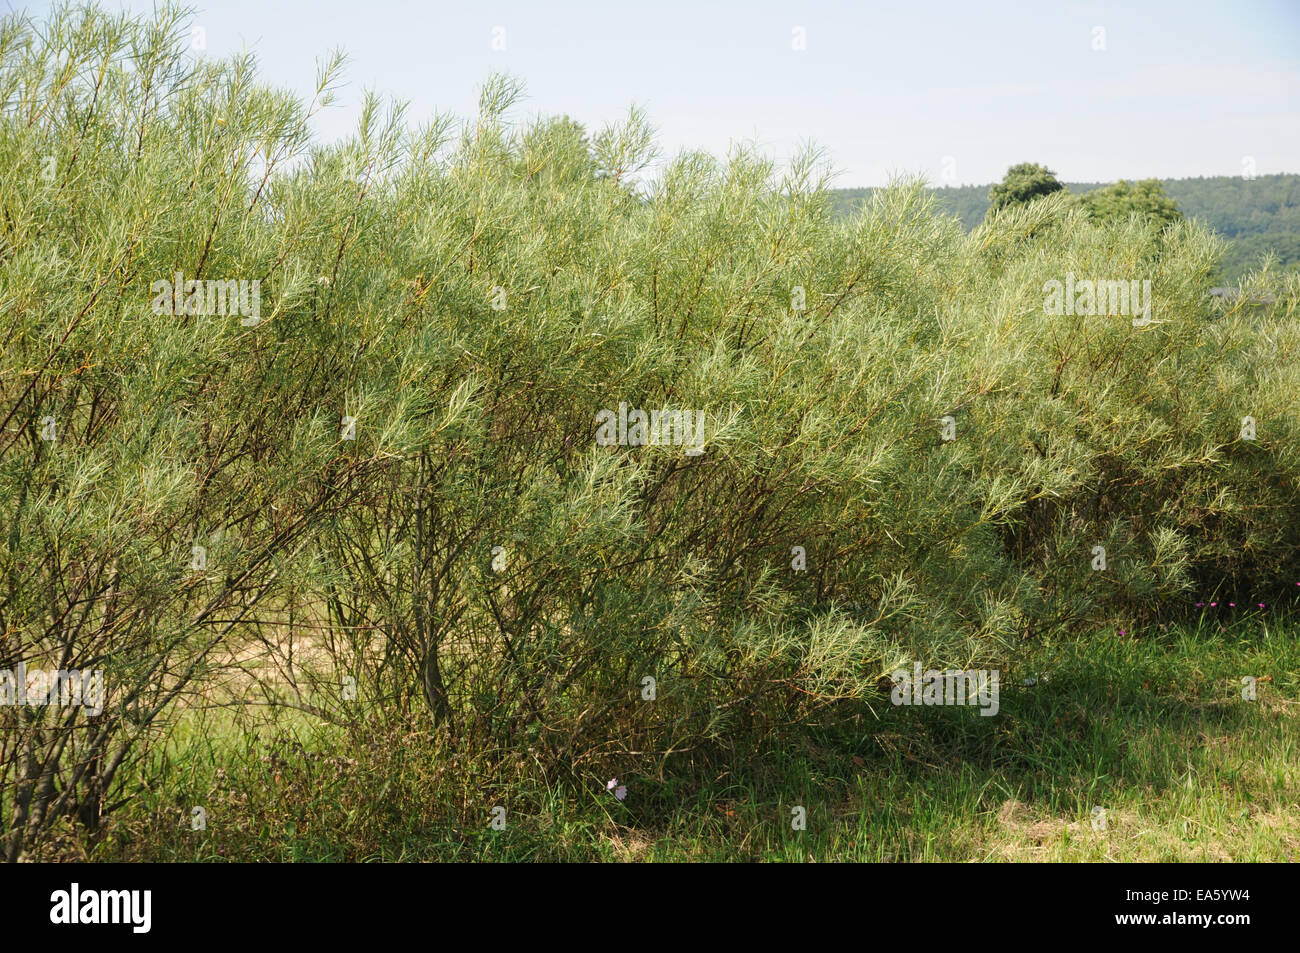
(891, 450)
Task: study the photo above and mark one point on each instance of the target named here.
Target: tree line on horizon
(1254, 216)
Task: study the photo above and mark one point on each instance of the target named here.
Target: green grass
(1151, 726)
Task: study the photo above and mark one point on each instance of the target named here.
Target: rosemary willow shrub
(1126, 431)
(163, 476)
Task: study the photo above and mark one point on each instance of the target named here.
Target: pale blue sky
(1182, 88)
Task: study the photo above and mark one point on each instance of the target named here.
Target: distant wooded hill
(1256, 215)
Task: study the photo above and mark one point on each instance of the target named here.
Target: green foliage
(1022, 184)
(1248, 253)
(1146, 199)
(394, 475)
(1259, 216)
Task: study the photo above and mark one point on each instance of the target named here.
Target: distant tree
(1146, 198)
(1023, 184)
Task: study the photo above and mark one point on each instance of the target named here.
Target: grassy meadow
(1150, 726)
